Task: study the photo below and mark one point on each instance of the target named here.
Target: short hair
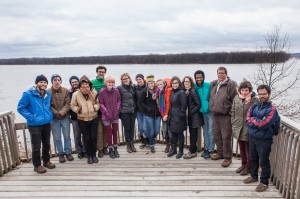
(109, 79)
(126, 74)
(101, 67)
(190, 79)
(199, 72)
(222, 68)
(264, 86)
(245, 84)
(176, 78)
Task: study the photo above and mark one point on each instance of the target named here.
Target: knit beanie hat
(55, 75)
(41, 78)
(73, 77)
(139, 76)
(150, 78)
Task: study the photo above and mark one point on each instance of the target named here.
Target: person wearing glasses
(177, 117)
(127, 113)
(99, 83)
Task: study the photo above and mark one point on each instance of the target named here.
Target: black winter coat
(195, 118)
(177, 114)
(127, 99)
(149, 105)
(139, 91)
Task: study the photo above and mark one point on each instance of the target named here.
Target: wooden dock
(136, 175)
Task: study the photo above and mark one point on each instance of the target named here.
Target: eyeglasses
(187, 82)
(261, 94)
(101, 72)
(75, 82)
(175, 82)
(124, 79)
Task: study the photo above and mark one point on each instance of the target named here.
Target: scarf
(161, 100)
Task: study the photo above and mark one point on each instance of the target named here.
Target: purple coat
(110, 104)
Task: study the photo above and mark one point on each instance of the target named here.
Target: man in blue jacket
(34, 106)
(261, 119)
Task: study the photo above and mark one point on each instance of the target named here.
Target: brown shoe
(241, 168)
(69, 157)
(250, 180)
(261, 187)
(61, 158)
(216, 156)
(49, 165)
(244, 172)
(226, 163)
(39, 169)
(100, 154)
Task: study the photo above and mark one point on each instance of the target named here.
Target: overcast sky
(59, 28)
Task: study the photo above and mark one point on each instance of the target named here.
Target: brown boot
(241, 168)
(168, 144)
(61, 158)
(49, 165)
(69, 157)
(39, 169)
(250, 180)
(129, 150)
(216, 156)
(245, 172)
(261, 187)
(100, 153)
(226, 163)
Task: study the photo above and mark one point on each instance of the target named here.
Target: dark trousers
(222, 134)
(193, 139)
(78, 139)
(259, 156)
(112, 134)
(178, 137)
(40, 134)
(89, 132)
(128, 121)
(244, 152)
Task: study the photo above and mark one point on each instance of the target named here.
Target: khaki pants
(101, 136)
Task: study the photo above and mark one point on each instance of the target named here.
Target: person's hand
(165, 118)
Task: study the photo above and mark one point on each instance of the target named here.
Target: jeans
(79, 144)
(89, 131)
(193, 139)
(259, 156)
(40, 134)
(141, 123)
(62, 127)
(178, 137)
(208, 135)
(128, 120)
(153, 128)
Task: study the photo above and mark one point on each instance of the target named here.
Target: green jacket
(203, 92)
(98, 84)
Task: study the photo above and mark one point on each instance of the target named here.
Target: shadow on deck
(136, 175)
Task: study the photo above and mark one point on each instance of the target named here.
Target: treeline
(185, 58)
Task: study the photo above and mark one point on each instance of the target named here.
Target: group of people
(93, 107)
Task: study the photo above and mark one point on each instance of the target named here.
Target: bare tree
(281, 73)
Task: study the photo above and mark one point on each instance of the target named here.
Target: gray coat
(127, 93)
(238, 118)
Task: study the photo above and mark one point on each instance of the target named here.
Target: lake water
(15, 79)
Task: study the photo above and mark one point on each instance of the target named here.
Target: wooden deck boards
(136, 175)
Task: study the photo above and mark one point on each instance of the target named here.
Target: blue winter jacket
(203, 92)
(261, 120)
(34, 108)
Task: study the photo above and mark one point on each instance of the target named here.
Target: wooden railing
(9, 150)
(285, 159)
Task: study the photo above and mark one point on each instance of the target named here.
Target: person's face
(85, 85)
(110, 84)
(56, 82)
(74, 83)
(139, 81)
(245, 92)
(175, 84)
(199, 79)
(42, 85)
(160, 85)
(187, 83)
(125, 80)
(151, 85)
(263, 95)
(221, 75)
(101, 73)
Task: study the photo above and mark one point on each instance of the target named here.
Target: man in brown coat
(222, 93)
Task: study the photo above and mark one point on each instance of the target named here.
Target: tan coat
(238, 118)
(86, 109)
(60, 103)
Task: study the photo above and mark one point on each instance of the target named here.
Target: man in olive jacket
(222, 93)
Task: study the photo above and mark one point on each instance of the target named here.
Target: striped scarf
(161, 100)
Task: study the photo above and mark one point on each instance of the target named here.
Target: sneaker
(111, 153)
(203, 154)
(226, 163)
(117, 155)
(241, 168)
(69, 157)
(39, 169)
(61, 158)
(189, 155)
(100, 154)
(49, 165)
(95, 159)
(250, 180)
(261, 187)
(179, 155)
(207, 155)
(216, 156)
(244, 172)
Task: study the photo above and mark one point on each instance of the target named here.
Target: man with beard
(74, 81)
(262, 119)
(34, 106)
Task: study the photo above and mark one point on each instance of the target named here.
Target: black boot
(90, 160)
(168, 144)
(105, 151)
(132, 146)
(129, 150)
(173, 150)
(111, 153)
(117, 155)
(180, 153)
(143, 142)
